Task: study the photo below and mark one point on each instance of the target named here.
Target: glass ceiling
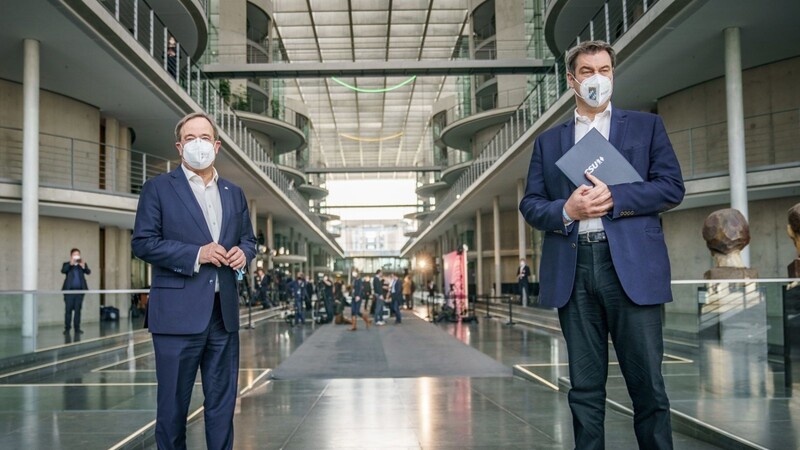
(370, 129)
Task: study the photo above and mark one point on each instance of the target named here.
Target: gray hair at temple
(194, 115)
(794, 219)
(589, 48)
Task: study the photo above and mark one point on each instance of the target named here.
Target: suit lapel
(567, 141)
(226, 198)
(619, 125)
(185, 194)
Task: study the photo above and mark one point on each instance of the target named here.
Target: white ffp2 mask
(596, 90)
(198, 153)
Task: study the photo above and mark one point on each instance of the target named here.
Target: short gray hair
(194, 115)
(589, 48)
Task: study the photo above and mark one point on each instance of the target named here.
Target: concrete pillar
(253, 223)
(737, 160)
(479, 250)
(522, 228)
(122, 174)
(498, 276)
(270, 240)
(30, 183)
(112, 136)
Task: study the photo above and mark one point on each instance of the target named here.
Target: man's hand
(213, 253)
(235, 258)
(589, 202)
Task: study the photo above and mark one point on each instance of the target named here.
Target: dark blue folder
(596, 155)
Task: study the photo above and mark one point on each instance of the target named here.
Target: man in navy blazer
(194, 229)
(604, 260)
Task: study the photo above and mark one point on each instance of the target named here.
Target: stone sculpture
(726, 233)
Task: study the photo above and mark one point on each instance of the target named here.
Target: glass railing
(455, 157)
(78, 164)
(771, 140)
(732, 323)
(256, 54)
(502, 99)
(154, 36)
(541, 97)
(34, 321)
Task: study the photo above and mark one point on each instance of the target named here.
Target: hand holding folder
(595, 155)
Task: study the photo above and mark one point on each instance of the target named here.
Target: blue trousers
(299, 316)
(396, 301)
(216, 353)
(599, 307)
(355, 308)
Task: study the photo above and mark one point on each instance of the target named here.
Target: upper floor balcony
(153, 22)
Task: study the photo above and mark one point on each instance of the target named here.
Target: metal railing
(154, 36)
(79, 164)
(772, 139)
(544, 94)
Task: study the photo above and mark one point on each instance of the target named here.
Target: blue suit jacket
(168, 232)
(633, 227)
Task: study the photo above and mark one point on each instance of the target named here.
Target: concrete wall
(767, 89)
(769, 93)
(770, 248)
(70, 129)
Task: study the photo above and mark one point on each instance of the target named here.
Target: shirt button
(211, 281)
(573, 245)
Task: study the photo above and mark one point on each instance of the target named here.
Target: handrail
(148, 29)
(549, 89)
(91, 166)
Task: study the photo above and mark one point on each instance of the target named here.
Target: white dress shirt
(601, 122)
(207, 196)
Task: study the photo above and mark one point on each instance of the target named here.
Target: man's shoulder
(554, 131)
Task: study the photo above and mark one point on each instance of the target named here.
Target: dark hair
(194, 115)
(589, 48)
(74, 250)
(794, 219)
(378, 272)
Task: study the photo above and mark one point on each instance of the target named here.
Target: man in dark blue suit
(194, 229)
(396, 294)
(604, 260)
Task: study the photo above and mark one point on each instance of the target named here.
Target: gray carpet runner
(414, 348)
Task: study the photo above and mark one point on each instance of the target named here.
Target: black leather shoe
(66, 332)
(78, 331)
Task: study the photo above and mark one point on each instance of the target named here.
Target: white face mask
(596, 90)
(199, 154)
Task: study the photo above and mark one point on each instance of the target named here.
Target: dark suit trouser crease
(216, 353)
(72, 311)
(599, 307)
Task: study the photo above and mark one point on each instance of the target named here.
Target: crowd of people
(324, 298)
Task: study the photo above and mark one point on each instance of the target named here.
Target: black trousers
(599, 307)
(72, 311)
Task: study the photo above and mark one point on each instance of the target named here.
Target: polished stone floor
(105, 398)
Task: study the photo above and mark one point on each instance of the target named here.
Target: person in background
(377, 294)
(604, 261)
(523, 278)
(326, 290)
(75, 270)
(408, 292)
(297, 292)
(355, 305)
(396, 294)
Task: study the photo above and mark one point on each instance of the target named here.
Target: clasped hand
(589, 202)
(217, 255)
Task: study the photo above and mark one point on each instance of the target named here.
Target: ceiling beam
(379, 68)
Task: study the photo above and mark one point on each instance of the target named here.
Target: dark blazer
(358, 288)
(633, 227)
(66, 268)
(396, 291)
(168, 232)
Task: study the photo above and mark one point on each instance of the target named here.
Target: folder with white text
(595, 155)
